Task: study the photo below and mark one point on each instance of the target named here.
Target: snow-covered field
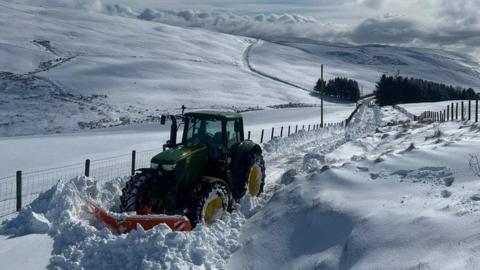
(385, 193)
(57, 150)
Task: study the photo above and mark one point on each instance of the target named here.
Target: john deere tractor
(201, 177)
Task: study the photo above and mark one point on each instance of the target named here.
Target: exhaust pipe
(173, 131)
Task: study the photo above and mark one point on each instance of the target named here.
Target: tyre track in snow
(248, 64)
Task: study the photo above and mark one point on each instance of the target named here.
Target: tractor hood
(173, 156)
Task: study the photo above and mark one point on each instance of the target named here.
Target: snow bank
(371, 205)
(81, 242)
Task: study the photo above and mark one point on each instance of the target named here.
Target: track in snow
(246, 60)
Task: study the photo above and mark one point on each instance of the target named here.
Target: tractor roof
(214, 114)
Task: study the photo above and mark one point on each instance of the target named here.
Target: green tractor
(201, 177)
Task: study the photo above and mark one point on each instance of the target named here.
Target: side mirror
(163, 118)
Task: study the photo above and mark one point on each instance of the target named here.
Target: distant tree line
(391, 90)
(342, 88)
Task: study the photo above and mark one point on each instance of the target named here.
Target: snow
(65, 149)
(29, 252)
(384, 210)
(385, 192)
(60, 68)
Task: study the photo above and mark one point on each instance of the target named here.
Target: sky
(445, 24)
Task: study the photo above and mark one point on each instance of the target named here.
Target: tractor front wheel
(210, 205)
(134, 194)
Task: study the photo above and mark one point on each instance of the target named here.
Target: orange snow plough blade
(125, 224)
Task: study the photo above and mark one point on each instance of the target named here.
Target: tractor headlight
(154, 165)
(168, 167)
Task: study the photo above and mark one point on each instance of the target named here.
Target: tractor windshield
(201, 131)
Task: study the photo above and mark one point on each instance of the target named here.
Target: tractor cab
(218, 131)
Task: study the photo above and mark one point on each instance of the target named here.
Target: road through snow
(246, 59)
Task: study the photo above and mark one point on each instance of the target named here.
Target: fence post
(19, 190)
(296, 128)
(134, 154)
(451, 112)
(273, 130)
(87, 167)
(456, 111)
(288, 131)
(308, 127)
(469, 109)
(281, 132)
(249, 133)
(303, 127)
(261, 137)
(463, 117)
(448, 112)
(476, 110)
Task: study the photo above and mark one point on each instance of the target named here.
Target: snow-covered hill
(63, 69)
(66, 69)
(300, 60)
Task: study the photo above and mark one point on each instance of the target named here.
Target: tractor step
(121, 223)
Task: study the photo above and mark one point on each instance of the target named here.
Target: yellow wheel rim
(213, 209)
(254, 180)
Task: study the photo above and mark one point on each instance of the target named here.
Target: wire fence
(17, 191)
(463, 111)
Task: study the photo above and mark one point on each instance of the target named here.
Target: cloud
(390, 31)
(374, 4)
(90, 5)
(256, 25)
(429, 23)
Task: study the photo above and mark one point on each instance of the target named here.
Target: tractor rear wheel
(210, 205)
(134, 194)
(252, 176)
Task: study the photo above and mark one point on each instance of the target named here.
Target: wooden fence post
(281, 132)
(19, 190)
(476, 110)
(463, 117)
(87, 167)
(261, 137)
(249, 134)
(308, 127)
(296, 128)
(303, 127)
(451, 111)
(456, 111)
(469, 109)
(448, 112)
(273, 130)
(288, 131)
(134, 154)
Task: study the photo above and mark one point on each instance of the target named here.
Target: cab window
(203, 132)
(233, 132)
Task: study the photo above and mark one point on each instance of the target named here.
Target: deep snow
(385, 193)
